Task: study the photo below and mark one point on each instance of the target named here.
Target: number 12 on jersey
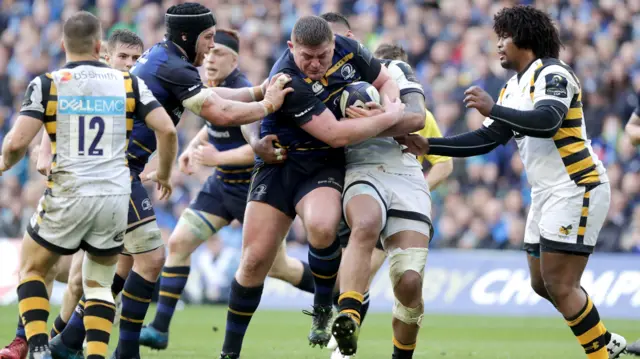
(90, 136)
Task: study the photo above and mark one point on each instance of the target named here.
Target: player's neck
(525, 62)
(82, 57)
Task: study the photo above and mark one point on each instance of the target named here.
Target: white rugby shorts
(403, 196)
(96, 224)
(567, 220)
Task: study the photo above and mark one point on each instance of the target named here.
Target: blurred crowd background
(450, 46)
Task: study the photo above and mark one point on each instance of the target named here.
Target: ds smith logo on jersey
(86, 74)
(91, 105)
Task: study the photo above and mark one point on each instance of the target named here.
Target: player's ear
(350, 35)
(62, 45)
(290, 44)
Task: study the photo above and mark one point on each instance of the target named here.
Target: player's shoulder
(237, 79)
(545, 67)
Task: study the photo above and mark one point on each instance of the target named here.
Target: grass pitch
(197, 332)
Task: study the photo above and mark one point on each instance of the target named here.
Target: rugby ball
(358, 94)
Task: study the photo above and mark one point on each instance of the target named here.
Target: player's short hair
(311, 31)
(80, 32)
(391, 52)
(529, 28)
(336, 18)
(126, 37)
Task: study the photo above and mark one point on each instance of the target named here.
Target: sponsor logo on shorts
(331, 182)
(565, 230)
(146, 204)
(260, 191)
(119, 237)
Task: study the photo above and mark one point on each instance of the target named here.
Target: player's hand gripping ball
(358, 94)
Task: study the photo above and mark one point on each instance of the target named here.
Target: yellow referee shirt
(431, 130)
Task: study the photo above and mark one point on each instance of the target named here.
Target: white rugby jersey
(88, 111)
(385, 150)
(566, 159)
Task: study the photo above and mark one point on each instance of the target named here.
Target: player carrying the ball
(541, 106)
(310, 182)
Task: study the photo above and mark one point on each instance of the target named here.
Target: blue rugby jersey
(233, 178)
(172, 79)
(351, 62)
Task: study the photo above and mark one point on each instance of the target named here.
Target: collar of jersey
(230, 77)
(70, 65)
(526, 69)
(175, 49)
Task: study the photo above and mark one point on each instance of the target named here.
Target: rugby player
(570, 188)
(380, 180)
(309, 183)
(222, 199)
(169, 69)
(86, 199)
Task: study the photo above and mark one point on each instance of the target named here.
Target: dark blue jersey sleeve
(302, 103)
(183, 82)
(363, 59)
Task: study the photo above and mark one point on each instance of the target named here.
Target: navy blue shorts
(140, 207)
(216, 200)
(282, 186)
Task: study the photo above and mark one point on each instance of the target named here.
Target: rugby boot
(616, 346)
(346, 330)
(319, 334)
(154, 339)
(40, 353)
(634, 348)
(17, 349)
(337, 355)
(60, 351)
(229, 356)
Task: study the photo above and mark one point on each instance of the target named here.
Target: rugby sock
(365, 307)
(117, 285)
(243, 302)
(73, 334)
(350, 303)
(306, 283)
(98, 319)
(136, 297)
(172, 283)
(590, 331)
(34, 310)
(58, 326)
(20, 329)
(402, 351)
(324, 264)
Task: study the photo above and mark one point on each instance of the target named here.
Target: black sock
(73, 334)
(172, 283)
(136, 297)
(350, 303)
(402, 351)
(324, 264)
(243, 302)
(33, 306)
(117, 285)
(365, 307)
(306, 283)
(58, 326)
(20, 329)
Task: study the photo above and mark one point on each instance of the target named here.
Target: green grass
(274, 334)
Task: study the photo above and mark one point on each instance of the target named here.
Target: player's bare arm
(17, 141)
(184, 161)
(386, 86)
(159, 121)
(263, 147)
(633, 127)
(412, 120)
(207, 155)
(245, 94)
(329, 130)
(43, 163)
(219, 111)
(439, 173)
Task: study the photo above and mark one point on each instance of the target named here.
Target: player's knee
(408, 290)
(365, 229)
(253, 266)
(537, 284)
(152, 262)
(198, 226)
(558, 288)
(97, 280)
(321, 230)
(406, 270)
